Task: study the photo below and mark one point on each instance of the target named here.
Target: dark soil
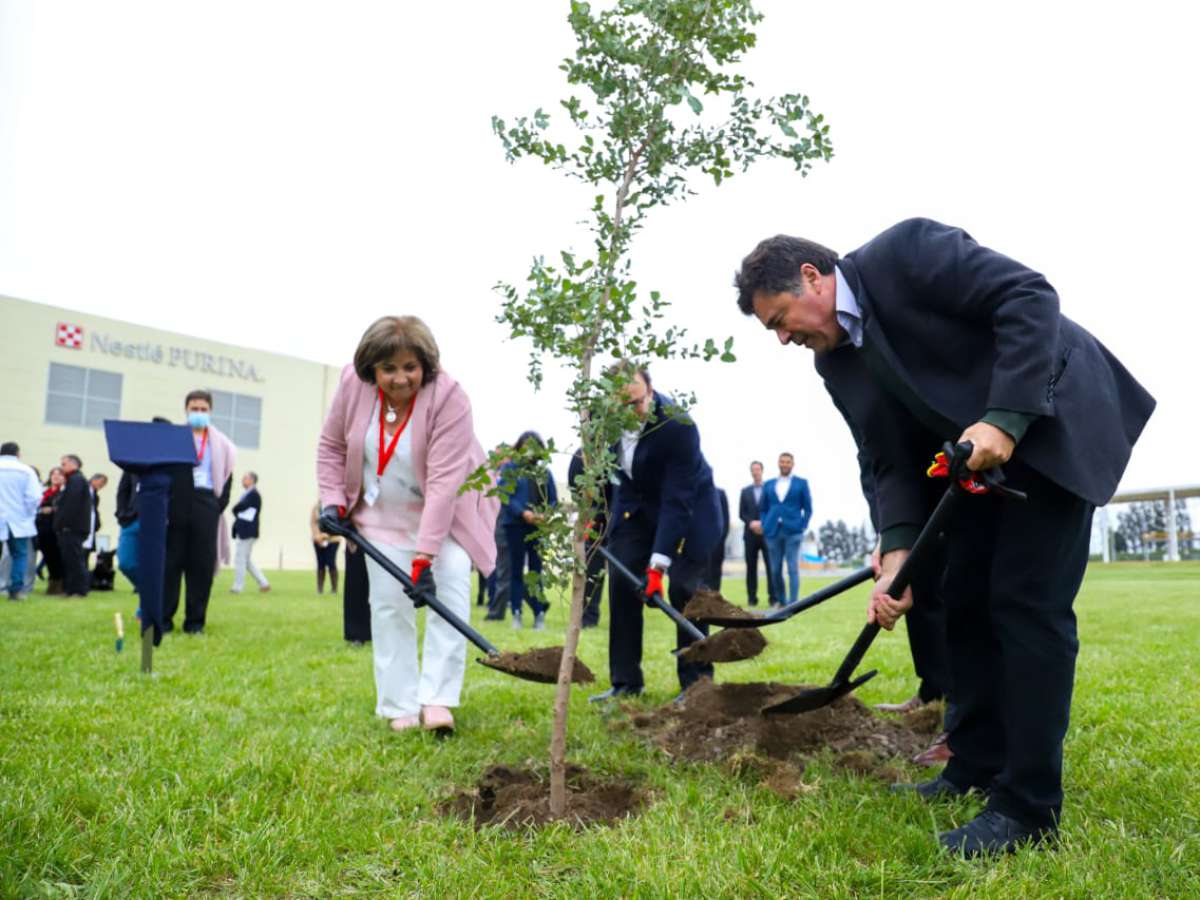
(708, 604)
(718, 722)
(538, 665)
(518, 799)
(728, 645)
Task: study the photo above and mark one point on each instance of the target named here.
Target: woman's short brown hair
(388, 336)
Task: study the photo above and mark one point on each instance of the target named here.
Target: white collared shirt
(783, 484)
(20, 496)
(849, 313)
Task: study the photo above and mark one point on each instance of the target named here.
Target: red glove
(419, 565)
(654, 583)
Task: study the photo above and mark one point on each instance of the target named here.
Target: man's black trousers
(754, 545)
(1013, 571)
(631, 544)
(74, 561)
(191, 553)
(593, 590)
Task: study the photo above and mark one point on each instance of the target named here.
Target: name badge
(371, 494)
(198, 478)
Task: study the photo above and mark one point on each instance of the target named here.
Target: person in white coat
(20, 494)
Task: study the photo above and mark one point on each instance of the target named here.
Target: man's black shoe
(493, 618)
(938, 789)
(992, 833)
(613, 693)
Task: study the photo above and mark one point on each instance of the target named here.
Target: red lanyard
(203, 444)
(385, 456)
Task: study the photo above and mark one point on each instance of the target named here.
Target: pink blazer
(444, 448)
(224, 458)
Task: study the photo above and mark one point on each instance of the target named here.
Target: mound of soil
(518, 799)
(708, 604)
(538, 665)
(722, 722)
(727, 645)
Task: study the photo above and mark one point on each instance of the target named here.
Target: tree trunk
(562, 695)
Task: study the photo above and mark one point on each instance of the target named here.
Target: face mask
(198, 419)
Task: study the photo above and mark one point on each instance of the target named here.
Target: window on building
(84, 397)
(239, 416)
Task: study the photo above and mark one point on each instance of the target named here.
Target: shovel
(786, 612)
(724, 646)
(535, 665)
(959, 491)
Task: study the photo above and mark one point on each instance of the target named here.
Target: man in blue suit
(665, 521)
(785, 510)
(922, 335)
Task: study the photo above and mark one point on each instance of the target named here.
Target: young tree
(658, 100)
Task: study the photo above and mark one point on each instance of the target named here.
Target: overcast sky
(278, 174)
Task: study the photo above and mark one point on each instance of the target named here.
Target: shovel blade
(807, 701)
(540, 666)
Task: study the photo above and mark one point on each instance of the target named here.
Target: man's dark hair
(253, 476)
(99, 475)
(774, 266)
(788, 455)
(198, 394)
(757, 462)
(627, 368)
(9, 448)
(163, 420)
(75, 459)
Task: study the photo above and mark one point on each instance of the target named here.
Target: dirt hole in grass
(727, 645)
(519, 798)
(722, 723)
(538, 665)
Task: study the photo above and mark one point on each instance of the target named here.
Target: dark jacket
(671, 488)
(75, 507)
(127, 499)
(600, 518)
(526, 494)
(748, 506)
(953, 330)
(242, 528)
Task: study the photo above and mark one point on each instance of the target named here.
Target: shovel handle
(654, 599)
(406, 582)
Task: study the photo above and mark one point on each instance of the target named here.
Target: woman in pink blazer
(395, 448)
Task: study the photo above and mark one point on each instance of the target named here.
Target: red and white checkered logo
(69, 336)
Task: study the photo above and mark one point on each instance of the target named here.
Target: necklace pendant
(391, 416)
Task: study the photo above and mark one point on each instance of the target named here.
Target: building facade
(64, 372)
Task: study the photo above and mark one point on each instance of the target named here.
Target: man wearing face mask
(195, 527)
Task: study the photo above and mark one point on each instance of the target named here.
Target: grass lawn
(251, 765)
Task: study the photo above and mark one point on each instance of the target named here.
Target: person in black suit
(716, 562)
(247, 513)
(753, 542)
(73, 519)
(666, 520)
(922, 336)
(594, 586)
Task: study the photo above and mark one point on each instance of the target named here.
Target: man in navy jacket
(665, 521)
(753, 542)
(922, 336)
(785, 511)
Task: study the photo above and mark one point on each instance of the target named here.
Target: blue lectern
(155, 452)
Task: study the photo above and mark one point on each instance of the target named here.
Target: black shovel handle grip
(331, 527)
(655, 599)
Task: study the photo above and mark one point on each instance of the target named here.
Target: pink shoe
(404, 723)
(436, 718)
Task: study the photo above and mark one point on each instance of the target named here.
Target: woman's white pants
(402, 685)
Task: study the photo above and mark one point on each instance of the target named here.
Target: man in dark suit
(716, 562)
(73, 519)
(594, 585)
(785, 511)
(665, 522)
(753, 542)
(922, 336)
